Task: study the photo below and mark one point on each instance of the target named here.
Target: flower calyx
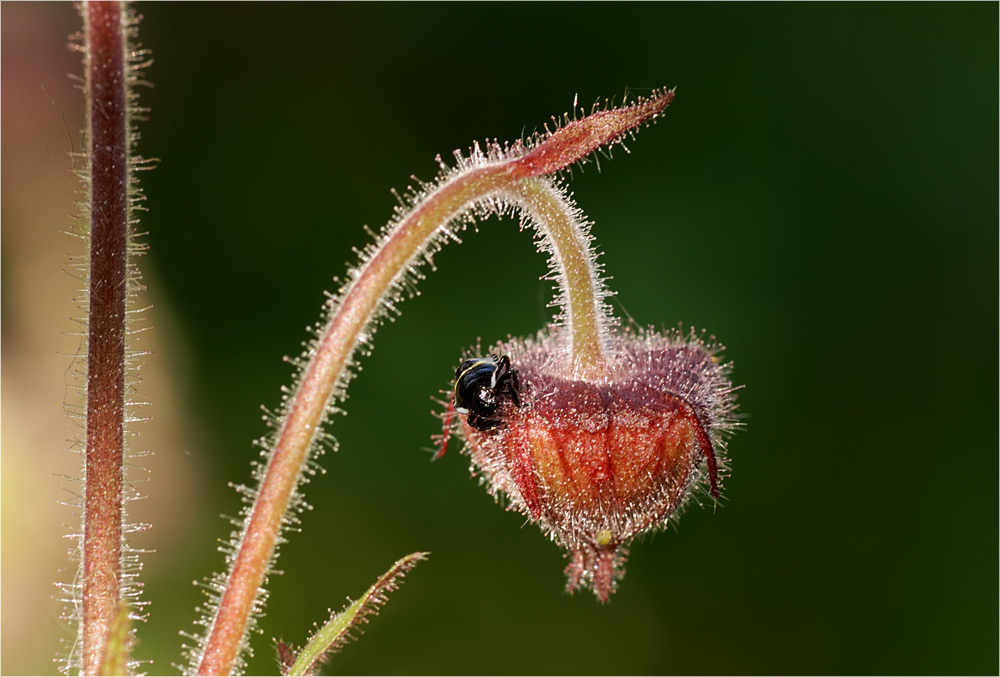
(596, 463)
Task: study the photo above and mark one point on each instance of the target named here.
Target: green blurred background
(822, 196)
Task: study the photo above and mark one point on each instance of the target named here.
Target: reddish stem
(509, 178)
(104, 474)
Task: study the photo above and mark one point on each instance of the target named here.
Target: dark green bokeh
(822, 196)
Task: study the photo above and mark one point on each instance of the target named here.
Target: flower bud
(596, 463)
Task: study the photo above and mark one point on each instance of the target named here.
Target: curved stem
(306, 411)
(583, 293)
(510, 178)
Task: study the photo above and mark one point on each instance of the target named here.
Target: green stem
(584, 312)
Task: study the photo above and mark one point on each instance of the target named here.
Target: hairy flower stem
(584, 310)
(511, 178)
(107, 117)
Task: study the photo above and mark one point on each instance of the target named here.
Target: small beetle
(481, 384)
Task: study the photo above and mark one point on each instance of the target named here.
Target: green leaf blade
(336, 632)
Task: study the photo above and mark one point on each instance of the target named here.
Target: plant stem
(509, 177)
(356, 310)
(107, 117)
(583, 292)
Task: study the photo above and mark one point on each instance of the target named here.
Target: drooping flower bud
(597, 462)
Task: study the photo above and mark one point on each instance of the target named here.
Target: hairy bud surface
(598, 462)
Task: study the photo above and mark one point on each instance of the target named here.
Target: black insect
(481, 385)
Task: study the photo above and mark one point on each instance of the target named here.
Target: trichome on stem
(487, 182)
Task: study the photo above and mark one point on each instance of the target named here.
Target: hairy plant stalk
(104, 474)
(106, 592)
(481, 185)
(583, 293)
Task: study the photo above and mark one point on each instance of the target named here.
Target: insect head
(481, 386)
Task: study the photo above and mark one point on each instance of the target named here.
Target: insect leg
(449, 415)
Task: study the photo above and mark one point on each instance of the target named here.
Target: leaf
(116, 650)
(337, 631)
